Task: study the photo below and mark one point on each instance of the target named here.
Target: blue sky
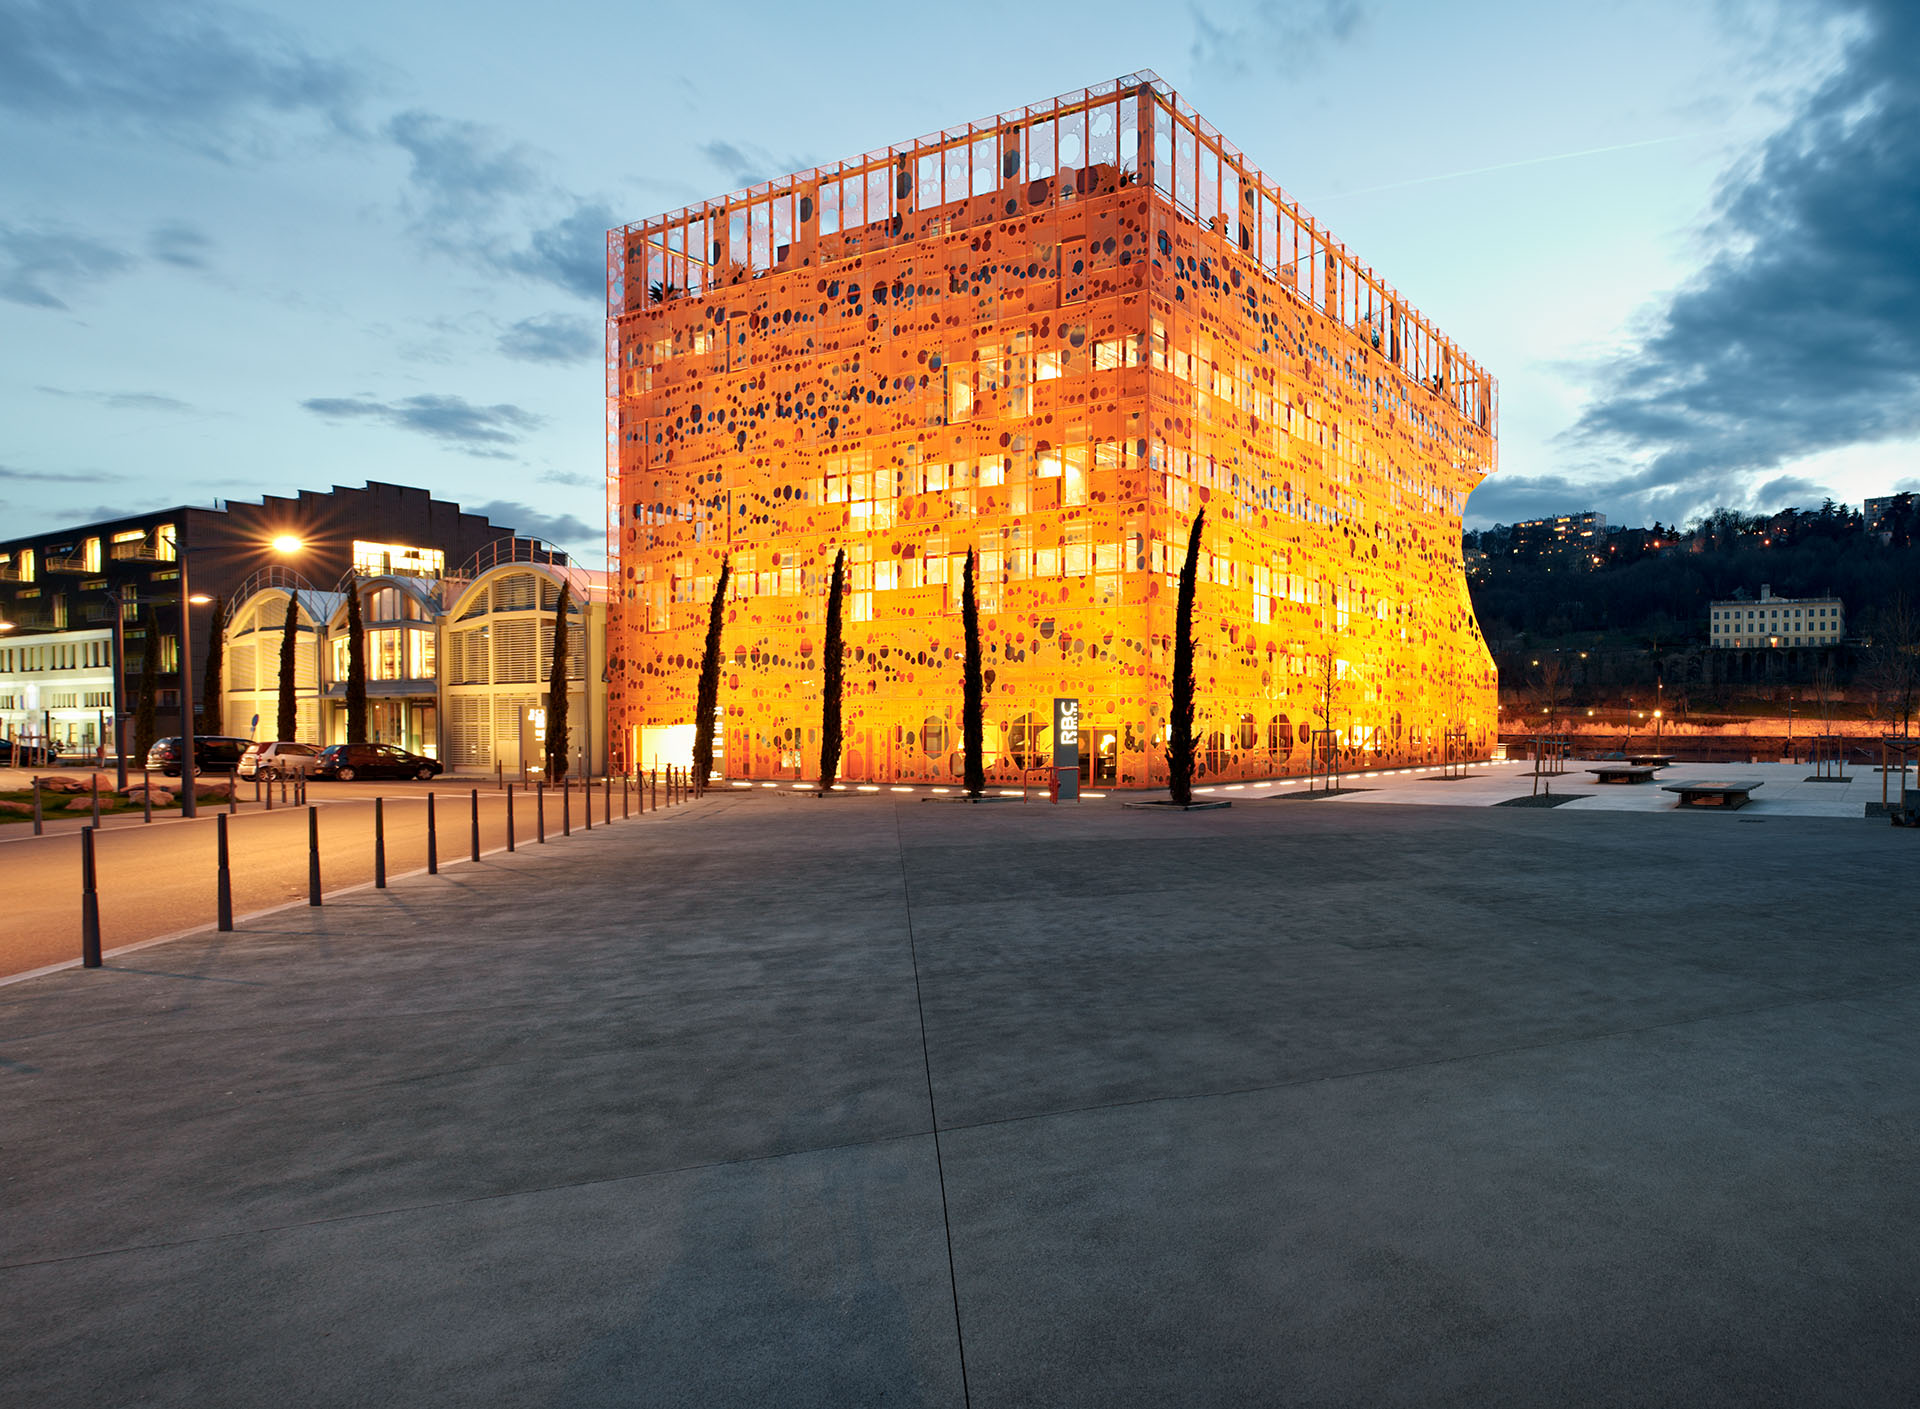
(255, 248)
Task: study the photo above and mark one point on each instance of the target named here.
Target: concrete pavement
(1281, 1104)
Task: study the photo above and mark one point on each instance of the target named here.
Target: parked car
(212, 753)
(349, 761)
(280, 758)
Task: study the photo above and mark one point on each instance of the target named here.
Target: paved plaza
(884, 1100)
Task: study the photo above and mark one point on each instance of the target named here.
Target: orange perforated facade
(1051, 338)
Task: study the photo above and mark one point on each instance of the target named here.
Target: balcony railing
(139, 550)
(74, 563)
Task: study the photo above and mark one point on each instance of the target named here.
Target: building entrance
(1099, 755)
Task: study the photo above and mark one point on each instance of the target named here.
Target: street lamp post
(288, 545)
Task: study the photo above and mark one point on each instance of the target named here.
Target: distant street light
(287, 543)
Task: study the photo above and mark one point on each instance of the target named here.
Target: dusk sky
(248, 249)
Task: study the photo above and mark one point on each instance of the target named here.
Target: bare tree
(1553, 684)
(1326, 684)
(1893, 659)
(1823, 692)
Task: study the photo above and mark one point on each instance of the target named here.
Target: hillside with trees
(1632, 617)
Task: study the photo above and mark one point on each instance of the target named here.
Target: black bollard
(313, 856)
(606, 799)
(89, 904)
(509, 816)
(540, 812)
(38, 826)
(146, 794)
(476, 824)
(654, 779)
(586, 800)
(626, 799)
(258, 789)
(222, 875)
(566, 807)
(96, 799)
(379, 844)
(433, 838)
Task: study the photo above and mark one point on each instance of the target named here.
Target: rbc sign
(1066, 747)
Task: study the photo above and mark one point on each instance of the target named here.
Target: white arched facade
(250, 673)
(497, 659)
(457, 667)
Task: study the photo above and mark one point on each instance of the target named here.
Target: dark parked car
(212, 753)
(349, 761)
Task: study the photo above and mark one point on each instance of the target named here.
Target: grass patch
(54, 804)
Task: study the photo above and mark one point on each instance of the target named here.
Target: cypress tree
(972, 724)
(143, 728)
(289, 719)
(211, 720)
(356, 669)
(1180, 715)
(707, 697)
(830, 680)
(557, 690)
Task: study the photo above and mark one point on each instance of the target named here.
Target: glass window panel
(1040, 151)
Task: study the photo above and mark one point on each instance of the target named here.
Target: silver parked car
(278, 759)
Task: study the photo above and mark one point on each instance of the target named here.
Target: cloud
(555, 528)
(570, 254)
(126, 400)
(470, 189)
(478, 430)
(177, 243)
(459, 171)
(553, 337)
(568, 478)
(743, 163)
(1802, 332)
(1252, 38)
(200, 73)
(15, 475)
(38, 264)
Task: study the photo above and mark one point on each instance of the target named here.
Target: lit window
(376, 559)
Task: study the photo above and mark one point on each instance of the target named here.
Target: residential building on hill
(1771, 623)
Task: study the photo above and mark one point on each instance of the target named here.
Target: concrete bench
(1623, 772)
(1711, 794)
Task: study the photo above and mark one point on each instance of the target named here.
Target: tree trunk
(972, 698)
(289, 715)
(557, 691)
(356, 669)
(707, 698)
(211, 720)
(831, 678)
(1180, 712)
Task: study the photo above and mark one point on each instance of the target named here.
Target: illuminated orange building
(1051, 337)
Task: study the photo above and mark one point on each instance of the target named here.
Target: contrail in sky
(1501, 166)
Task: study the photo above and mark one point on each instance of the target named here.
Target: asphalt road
(159, 878)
